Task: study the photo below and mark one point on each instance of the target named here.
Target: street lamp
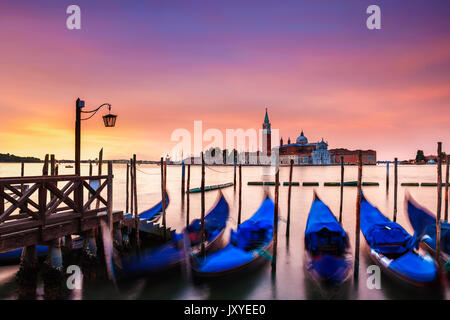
(109, 120)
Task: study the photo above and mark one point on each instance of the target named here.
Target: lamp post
(109, 120)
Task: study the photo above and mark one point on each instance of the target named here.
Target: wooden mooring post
(164, 199)
(240, 195)
(342, 190)
(127, 192)
(446, 188)
(234, 161)
(131, 186)
(395, 188)
(135, 200)
(183, 182)
(387, 177)
(275, 219)
(163, 196)
(439, 202)
(188, 201)
(288, 222)
(109, 198)
(202, 230)
(358, 216)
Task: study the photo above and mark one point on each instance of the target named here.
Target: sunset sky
(164, 64)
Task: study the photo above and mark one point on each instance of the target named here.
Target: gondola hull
(393, 249)
(256, 262)
(399, 276)
(340, 274)
(250, 245)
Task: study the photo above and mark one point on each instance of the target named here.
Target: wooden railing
(53, 200)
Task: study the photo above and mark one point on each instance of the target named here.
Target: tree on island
(6, 157)
(420, 157)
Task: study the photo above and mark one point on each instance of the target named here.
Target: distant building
(266, 136)
(351, 156)
(303, 152)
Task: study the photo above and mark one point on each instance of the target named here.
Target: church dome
(302, 139)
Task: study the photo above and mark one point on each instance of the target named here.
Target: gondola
(394, 249)
(328, 259)
(13, 256)
(424, 225)
(250, 245)
(173, 253)
(150, 215)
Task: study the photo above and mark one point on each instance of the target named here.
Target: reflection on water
(289, 280)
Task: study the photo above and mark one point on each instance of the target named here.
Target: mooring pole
(131, 187)
(358, 216)
(188, 203)
(183, 171)
(203, 208)
(234, 161)
(109, 198)
(163, 196)
(439, 203)
(387, 177)
(100, 163)
(275, 219)
(446, 188)
(136, 212)
(240, 195)
(45, 167)
(342, 190)
(395, 188)
(127, 207)
(164, 200)
(288, 222)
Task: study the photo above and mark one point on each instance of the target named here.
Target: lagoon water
(289, 280)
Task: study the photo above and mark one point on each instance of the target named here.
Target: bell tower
(266, 136)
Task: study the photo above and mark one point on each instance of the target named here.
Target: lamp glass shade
(109, 120)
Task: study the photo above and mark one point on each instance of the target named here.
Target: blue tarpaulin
(382, 234)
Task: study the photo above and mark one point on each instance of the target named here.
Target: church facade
(304, 152)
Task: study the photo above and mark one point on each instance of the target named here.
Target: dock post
(288, 222)
(127, 192)
(53, 275)
(387, 177)
(188, 204)
(131, 187)
(28, 273)
(439, 203)
(22, 186)
(100, 164)
(275, 219)
(240, 195)
(342, 190)
(163, 197)
(446, 188)
(358, 216)
(395, 189)
(136, 212)
(202, 252)
(164, 200)
(183, 173)
(234, 161)
(109, 199)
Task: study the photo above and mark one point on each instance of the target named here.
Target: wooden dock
(44, 211)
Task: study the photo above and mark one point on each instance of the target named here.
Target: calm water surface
(289, 281)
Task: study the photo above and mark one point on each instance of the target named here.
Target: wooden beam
(358, 216)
